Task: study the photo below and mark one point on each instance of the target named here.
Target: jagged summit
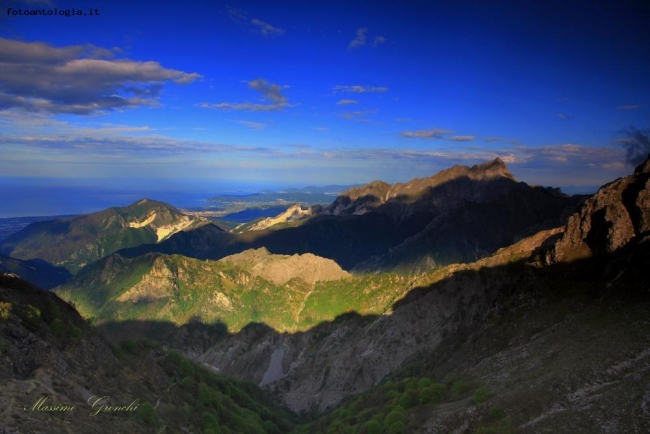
(643, 167)
(613, 217)
(490, 169)
(462, 182)
(484, 171)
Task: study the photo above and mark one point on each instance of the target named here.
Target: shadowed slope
(37, 271)
(54, 368)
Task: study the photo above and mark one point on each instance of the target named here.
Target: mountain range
(460, 214)
(463, 302)
(410, 227)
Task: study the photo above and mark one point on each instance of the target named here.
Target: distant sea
(21, 200)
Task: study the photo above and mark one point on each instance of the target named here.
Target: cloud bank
(78, 79)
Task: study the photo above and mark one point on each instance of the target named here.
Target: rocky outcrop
(279, 269)
(292, 214)
(617, 214)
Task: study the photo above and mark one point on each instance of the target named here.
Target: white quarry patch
(143, 223)
(293, 213)
(163, 232)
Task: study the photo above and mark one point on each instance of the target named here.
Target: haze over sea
(40, 198)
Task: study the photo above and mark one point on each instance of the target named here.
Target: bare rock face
(279, 269)
(292, 214)
(616, 214)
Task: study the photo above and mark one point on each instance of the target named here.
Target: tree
(147, 413)
(637, 145)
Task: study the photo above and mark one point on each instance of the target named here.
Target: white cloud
(242, 106)
(347, 102)
(236, 15)
(266, 29)
(360, 39)
(270, 92)
(462, 138)
(78, 79)
(360, 89)
(378, 41)
(358, 115)
(240, 17)
(253, 125)
(433, 133)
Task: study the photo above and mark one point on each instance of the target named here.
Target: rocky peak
(370, 196)
(479, 172)
(492, 169)
(643, 167)
(359, 200)
(613, 217)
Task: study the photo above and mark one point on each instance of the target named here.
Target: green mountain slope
(288, 293)
(73, 242)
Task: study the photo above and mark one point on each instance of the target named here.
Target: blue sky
(294, 93)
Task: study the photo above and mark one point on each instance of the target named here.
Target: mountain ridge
(550, 331)
(367, 232)
(378, 193)
(72, 242)
(454, 303)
